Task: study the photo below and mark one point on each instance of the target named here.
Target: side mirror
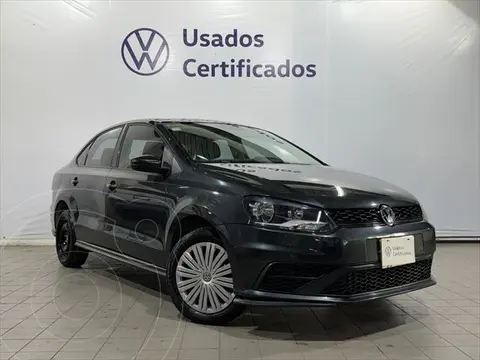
(149, 163)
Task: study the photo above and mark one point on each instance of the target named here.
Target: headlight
(285, 215)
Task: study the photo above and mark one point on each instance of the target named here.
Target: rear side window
(83, 155)
(102, 150)
(140, 140)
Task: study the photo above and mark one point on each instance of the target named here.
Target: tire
(68, 254)
(217, 307)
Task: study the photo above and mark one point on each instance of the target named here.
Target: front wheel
(200, 279)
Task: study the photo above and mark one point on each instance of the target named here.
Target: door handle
(112, 185)
(75, 181)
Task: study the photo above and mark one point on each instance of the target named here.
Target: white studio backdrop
(395, 92)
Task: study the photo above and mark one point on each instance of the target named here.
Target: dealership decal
(146, 52)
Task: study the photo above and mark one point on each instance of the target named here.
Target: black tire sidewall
(75, 256)
(196, 236)
(64, 220)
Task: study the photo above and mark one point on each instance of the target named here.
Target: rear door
(89, 184)
(136, 199)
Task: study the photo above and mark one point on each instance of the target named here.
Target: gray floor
(109, 311)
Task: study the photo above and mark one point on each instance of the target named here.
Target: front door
(136, 199)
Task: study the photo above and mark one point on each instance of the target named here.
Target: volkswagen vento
(234, 215)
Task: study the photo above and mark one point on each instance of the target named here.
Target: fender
(71, 205)
(186, 207)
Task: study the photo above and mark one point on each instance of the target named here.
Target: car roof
(176, 120)
(171, 120)
(180, 120)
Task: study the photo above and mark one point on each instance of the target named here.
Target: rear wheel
(68, 254)
(201, 280)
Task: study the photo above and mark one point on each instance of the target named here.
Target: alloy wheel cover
(204, 278)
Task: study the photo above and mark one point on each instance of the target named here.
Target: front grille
(288, 277)
(362, 281)
(408, 213)
(370, 217)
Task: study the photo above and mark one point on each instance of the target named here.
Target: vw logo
(388, 251)
(145, 51)
(387, 214)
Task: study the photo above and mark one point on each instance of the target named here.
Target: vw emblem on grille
(387, 214)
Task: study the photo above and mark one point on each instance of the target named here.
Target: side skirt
(121, 257)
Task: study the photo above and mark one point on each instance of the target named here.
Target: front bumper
(281, 268)
(260, 298)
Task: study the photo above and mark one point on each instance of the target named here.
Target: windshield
(228, 143)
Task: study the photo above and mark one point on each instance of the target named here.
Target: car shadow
(128, 275)
(320, 327)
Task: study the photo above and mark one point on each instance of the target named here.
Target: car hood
(323, 183)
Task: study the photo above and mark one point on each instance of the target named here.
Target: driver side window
(140, 140)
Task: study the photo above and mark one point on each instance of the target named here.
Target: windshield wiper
(238, 161)
(225, 161)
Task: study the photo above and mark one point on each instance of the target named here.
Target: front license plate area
(396, 251)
